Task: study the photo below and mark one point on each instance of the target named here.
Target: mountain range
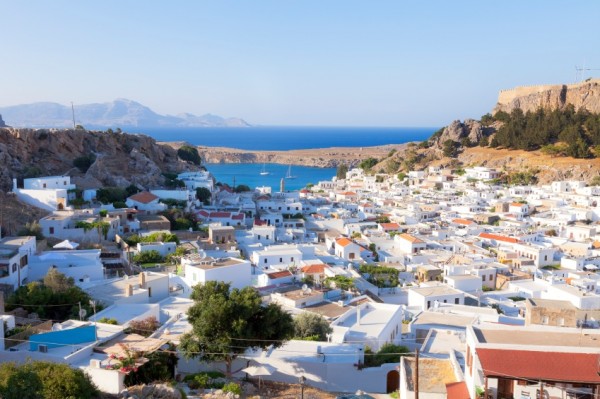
(121, 113)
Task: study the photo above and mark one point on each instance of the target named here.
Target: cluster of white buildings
(490, 278)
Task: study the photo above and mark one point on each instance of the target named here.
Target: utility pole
(417, 374)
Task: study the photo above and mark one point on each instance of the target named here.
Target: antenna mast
(73, 113)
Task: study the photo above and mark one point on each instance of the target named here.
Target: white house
(49, 193)
(425, 296)
(277, 255)
(410, 244)
(347, 249)
(373, 324)
(145, 201)
(197, 270)
(81, 265)
(15, 256)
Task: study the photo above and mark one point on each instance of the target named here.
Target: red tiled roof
(144, 197)
(465, 222)
(343, 241)
(203, 213)
(517, 204)
(537, 365)
(457, 390)
(412, 239)
(314, 269)
(220, 214)
(280, 274)
(389, 226)
(304, 191)
(258, 222)
(498, 237)
(349, 193)
(239, 216)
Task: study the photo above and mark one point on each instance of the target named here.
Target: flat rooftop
(444, 319)
(438, 290)
(539, 337)
(208, 262)
(328, 310)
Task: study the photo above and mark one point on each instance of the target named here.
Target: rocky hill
(118, 113)
(118, 159)
(2, 123)
(529, 98)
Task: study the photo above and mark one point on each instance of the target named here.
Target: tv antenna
(73, 113)
(580, 72)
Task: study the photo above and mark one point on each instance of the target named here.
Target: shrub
(190, 154)
(83, 163)
(144, 327)
(106, 320)
(151, 256)
(232, 387)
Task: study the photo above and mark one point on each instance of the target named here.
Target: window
(149, 292)
(3, 269)
(456, 301)
(491, 277)
(545, 320)
(280, 260)
(259, 236)
(292, 259)
(265, 260)
(267, 237)
(428, 304)
(14, 267)
(483, 278)
(545, 257)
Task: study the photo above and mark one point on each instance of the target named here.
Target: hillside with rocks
(116, 159)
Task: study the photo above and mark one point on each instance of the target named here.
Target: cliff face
(121, 159)
(529, 98)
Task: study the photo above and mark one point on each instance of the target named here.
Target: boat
(264, 171)
(289, 175)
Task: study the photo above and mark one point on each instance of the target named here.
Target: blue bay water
(280, 138)
(249, 174)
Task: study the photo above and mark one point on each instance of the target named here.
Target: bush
(83, 163)
(151, 256)
(232, 387)
(144, 327)
(44, 380)
(106, 320)
(190, 154)
(388, 353)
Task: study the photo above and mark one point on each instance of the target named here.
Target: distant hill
(121, 113)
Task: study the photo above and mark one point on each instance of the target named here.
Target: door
(393, 381)
(505, 388)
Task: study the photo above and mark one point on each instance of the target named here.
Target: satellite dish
(304, 287)
(82, 313)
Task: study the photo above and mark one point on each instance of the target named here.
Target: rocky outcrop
(120, 159)
(529, 98)
(457, 131)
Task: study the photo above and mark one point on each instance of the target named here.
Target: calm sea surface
(283, 138)
(274, 138)
(249, 174)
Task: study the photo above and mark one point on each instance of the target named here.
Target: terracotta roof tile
(279, 274)
(343, 242)
(314, 269)
(498, 237)
(538, 365)
(144, 197)
(411, 238)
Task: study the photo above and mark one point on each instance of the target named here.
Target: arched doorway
(393, 381)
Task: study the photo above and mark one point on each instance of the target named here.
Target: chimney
(128, 290)
(143, 280)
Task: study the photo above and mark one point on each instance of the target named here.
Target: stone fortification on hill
(529, 98)
(119, 159)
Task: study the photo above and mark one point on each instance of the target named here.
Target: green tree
(341, 171)
(242, 188)
(388, 353)
(226, 322)
(19, 382)
(84, 162)
(311, 326)
(190, 154)
(151, 256)
(203, 194)
(449, 148)
(368, 163)
(57, 281)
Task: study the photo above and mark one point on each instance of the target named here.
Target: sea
(279, 138)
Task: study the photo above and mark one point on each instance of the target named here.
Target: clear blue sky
(284, 62)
